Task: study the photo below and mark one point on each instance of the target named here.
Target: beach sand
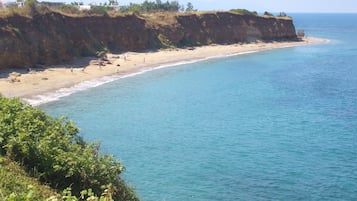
(24, 84)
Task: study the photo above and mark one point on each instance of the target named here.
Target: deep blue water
(276, 125)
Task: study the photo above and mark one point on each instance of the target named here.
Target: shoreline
(40, 86)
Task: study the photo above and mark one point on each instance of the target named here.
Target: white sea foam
(85, 85)
(63, 92)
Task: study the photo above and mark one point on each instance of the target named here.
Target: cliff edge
(53, 38)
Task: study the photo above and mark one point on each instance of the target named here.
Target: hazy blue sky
(268, 5)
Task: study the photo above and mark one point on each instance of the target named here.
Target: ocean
(272, 125)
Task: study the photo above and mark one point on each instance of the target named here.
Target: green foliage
(189, 7)
(71, 9)
(51, 149)
(244, 12)
(87, 195)
(103, 53)
(15, 185)
(150, 6)
(164, 41)
(99, 10)
(30, 3)
(186, 42)
(31, 6)
(266, 13)
(133, 7)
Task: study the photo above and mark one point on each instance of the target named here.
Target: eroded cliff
(53, 38)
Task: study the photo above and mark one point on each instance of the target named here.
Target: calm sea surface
(275, 125)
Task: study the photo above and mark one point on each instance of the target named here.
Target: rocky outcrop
(53, 38)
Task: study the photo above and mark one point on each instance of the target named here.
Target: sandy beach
(32, 82)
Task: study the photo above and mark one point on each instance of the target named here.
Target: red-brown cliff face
(52, 38)
(225, 27)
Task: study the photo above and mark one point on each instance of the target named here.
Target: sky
(288, 6)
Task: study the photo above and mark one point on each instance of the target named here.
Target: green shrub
(153, 6)
(266, 13)
(30, 3)
(165, 42)
(244, 12)
(99, 10)
(70, 9)
(51, 149)
(16, 185)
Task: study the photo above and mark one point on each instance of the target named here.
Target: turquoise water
(276, 125)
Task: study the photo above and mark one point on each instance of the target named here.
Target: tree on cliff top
(189, 7)
(266, 13)
(31, 5)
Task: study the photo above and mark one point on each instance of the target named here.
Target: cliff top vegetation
(145, 9)
(32, 7)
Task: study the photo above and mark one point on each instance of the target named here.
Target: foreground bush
(51, 150)
(16, 185)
